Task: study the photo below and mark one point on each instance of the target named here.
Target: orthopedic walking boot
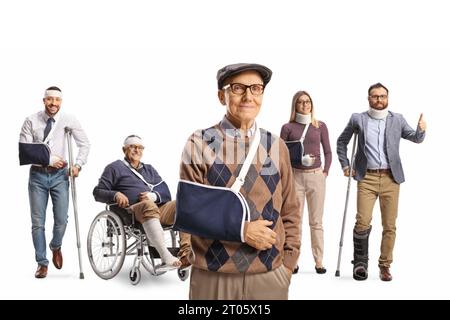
(361, 254)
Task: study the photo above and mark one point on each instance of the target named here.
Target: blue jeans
(40, 186)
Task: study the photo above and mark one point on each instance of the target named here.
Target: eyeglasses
(381, 97)
(240, 89)
(306, 102)
(133, 146)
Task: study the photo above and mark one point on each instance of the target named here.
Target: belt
(388, 171)
(310, 170)
(46, 169)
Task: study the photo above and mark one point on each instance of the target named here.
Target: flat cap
(233, 69)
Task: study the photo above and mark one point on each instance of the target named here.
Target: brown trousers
(209, 285)
(382, 186)
(147, 209)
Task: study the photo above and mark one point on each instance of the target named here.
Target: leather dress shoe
(41, 272)
(185, 262)
(320, 270)
(186, 257)
(385, 275)
(57, 258)
(295, 271)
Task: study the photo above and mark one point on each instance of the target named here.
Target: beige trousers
(145, 210)
(310, 186)
(210, 285)
(382, 186)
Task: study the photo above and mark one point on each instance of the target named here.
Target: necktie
(48, 127)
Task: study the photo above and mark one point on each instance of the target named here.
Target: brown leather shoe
(41, 272)
(184, 262)
(186, 257)
(385, 275)
(57, 258)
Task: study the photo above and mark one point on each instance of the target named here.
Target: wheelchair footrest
(155, 254)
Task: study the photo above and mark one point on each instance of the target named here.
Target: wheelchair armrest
(127, 217)
(113, 204)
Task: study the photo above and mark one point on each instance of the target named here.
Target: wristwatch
(78, 166)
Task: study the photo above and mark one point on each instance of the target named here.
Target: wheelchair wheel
(183, 274)
(135, 276)
(106, 244)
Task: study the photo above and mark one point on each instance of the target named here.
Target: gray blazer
(396, 128)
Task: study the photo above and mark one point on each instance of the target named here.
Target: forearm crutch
(341, 242)
(74, 197)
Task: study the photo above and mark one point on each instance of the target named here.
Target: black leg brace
(361, 254)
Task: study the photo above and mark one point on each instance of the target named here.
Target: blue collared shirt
(375, 144)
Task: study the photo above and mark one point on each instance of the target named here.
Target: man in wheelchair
(139, 188)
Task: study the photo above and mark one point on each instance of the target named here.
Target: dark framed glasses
(240, 89)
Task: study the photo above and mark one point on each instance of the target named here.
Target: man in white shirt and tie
(48, 126)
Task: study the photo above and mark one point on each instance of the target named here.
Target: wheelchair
(114, 233)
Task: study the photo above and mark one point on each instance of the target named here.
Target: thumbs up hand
(422, 124)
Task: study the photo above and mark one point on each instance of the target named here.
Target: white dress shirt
(33, 131)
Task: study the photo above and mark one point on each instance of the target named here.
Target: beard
(379, 105)
(52, 109)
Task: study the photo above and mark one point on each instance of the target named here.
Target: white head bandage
(53, 93)
(133, 140)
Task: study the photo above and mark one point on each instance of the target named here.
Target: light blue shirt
(375, 144)
(232, 131)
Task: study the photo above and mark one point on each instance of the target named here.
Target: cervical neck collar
(302, 118)
(378, 114)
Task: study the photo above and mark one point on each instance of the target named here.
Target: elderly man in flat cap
(259, 264)
(138, 187)
(49, 172)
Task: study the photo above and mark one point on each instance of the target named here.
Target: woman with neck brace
(308, 172)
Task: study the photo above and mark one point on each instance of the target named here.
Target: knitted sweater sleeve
(193, 166)
(290, 210)
(325, 141)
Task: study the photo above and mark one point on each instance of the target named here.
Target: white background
(148, 68)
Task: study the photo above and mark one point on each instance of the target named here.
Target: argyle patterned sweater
(212, 157)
